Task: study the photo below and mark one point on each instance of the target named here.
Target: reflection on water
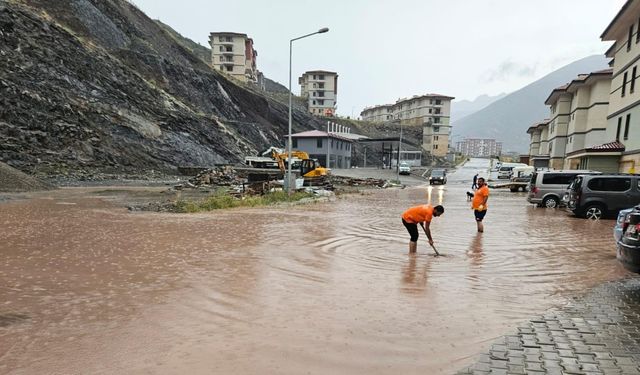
(326, 288)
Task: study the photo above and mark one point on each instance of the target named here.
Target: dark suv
(594, 196)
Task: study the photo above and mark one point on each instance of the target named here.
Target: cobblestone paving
(595, 334)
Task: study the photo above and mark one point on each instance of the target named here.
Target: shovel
(434, 249)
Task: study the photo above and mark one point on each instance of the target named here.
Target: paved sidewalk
(595, 334)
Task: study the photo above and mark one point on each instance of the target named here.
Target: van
(505, 169)
(547, 188)
(596, 196)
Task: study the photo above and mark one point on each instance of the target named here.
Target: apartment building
(479, 147)
(431, 111)
(378, 113)
(539, 145)
(234, 55)
(586, 129)
(320, 89)
(559, 102)
(623, 116)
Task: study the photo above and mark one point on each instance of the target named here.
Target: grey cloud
(509, 69)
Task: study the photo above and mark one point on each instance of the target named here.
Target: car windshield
(437, 173)
(404, 164)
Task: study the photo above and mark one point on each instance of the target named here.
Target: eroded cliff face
(97, 85)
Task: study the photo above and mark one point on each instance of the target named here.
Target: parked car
(623, 217)
(404, 168)
(595, 196)
(628, 245)
(438, 176)
(547, 188)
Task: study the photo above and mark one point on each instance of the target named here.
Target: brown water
(87, 287)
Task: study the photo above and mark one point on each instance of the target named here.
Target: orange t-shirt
(479, 196)
(418, 214)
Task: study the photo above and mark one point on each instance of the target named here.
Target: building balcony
(225, 52)
(226, 42)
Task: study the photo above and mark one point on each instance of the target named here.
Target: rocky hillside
(97, 85)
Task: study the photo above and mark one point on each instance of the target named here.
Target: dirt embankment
(12, 180)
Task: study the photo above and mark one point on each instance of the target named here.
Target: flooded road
(328, 288)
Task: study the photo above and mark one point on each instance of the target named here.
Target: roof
(319, 72)
(627, 10)
(553, 97)
(537, 124)
(321, 134)
(416, 97)
(584, 78)
(607, 147)
(226, 33)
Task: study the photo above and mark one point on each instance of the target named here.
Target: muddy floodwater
(87, 287)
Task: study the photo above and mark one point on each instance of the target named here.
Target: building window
(626, 126)
(321, 77)
(314, 93)
(319, 143)
(321, 102)
(619, 127)
(435, 147)
(436, 120)
(436, 129)
(438, 101)
(437, 111)
(630, 37)
(294, 143)
(321, 93)
(229, 68)
(624, 83)
(321, 85)
(633, 79)
(638, 33)
(314, 85)
(314, 102)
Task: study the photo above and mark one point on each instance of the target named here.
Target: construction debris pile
(219, 176)
(351, 181)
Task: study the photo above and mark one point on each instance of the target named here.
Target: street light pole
(399, 155)
(323, 30)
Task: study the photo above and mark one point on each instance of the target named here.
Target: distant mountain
(464, 108)
(507, 119)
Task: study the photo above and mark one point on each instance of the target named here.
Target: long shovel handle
(434, 249)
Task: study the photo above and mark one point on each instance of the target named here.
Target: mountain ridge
(507, 119)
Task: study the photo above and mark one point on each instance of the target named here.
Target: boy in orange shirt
(479, 203)
(420, 215)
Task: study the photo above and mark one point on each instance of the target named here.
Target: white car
(404, 168)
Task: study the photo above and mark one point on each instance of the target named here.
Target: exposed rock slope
(96, 84)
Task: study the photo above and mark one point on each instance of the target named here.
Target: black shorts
(479, 214)
(413, 230)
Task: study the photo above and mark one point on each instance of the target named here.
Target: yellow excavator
(310, 169)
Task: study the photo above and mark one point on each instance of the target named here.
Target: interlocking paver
(598, 333)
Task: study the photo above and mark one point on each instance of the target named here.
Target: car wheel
(593, 212)
(513, 189)
(550, 202)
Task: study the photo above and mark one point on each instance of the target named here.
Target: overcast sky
(384, 50)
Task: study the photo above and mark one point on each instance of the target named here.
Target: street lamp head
(323, 30)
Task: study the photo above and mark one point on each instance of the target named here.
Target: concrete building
(623, 118)
(559, 102)
(233, 54)
(431, 111)
(320, 89)
(333, 150)
(586, 130)
(479, 147)
(539, 145)
(378, 113)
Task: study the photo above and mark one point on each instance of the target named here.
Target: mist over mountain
(463, 108)
(508, 118)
